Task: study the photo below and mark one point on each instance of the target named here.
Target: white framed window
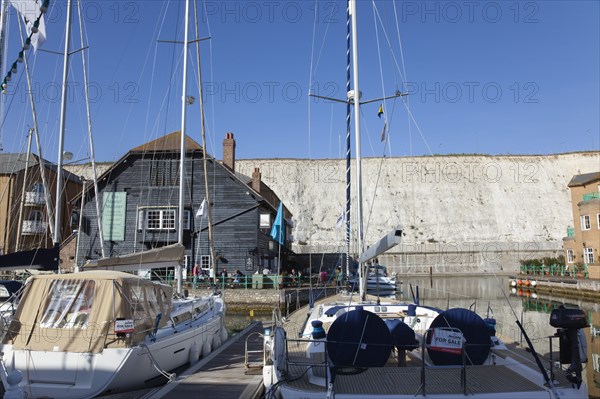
(570, 256)
(588, 255)
(205, 262)
(160, 219)
(598, 220)
(265, 220)
(585, 222)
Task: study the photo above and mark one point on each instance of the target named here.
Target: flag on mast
(380, 112)
(278, 229)
(201, 211)
(30, 11)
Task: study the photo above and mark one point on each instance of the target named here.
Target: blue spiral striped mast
(353, 98)
(348, 143)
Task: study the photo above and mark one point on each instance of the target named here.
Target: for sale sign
(124, 326)
(446, 340)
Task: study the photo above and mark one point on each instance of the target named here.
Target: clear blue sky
(488, 77)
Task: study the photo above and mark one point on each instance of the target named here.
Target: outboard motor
(569, 323)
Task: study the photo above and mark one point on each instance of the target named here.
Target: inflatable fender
(194, 354)
(206, 347)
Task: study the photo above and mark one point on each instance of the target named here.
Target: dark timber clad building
(139, 197)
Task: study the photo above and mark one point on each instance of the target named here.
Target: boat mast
(35, 130)
(4, 5)
(23, 191)
(90, 140)
(211, 243)
(61, 144)
(182, 149)
(348, 141)
(356, 99)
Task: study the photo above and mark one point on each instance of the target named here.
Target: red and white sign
(446, 340)
(124, 326)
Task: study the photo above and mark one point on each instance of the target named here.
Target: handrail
(246, 351)
(463, 367)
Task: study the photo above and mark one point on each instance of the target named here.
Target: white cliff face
(458, 202)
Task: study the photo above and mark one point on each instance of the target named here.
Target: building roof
(582, 180)
(11, 163)
(169, 142)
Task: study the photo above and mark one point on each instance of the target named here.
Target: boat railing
(428, 337)
(316, 363)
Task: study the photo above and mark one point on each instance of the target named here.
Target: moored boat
(85, 334)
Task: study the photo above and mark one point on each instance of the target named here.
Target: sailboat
(103, 331)
(351, 347)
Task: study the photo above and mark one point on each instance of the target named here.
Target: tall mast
(35, 130)
(183, 153)
(348, 141)
(90, 138)
(61, 144)
(23, 191)
(4, 5)
(211, 243)
(360, 248)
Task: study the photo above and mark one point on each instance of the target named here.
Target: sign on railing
(449, 340)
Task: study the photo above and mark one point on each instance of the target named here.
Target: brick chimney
(229, 151)
(256, 177)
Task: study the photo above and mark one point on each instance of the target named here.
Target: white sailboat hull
(85, 375)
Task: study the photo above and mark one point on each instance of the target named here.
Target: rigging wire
(310, 75)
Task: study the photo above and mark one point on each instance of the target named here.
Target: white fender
(279, 349)
(206, 347)
(224, 334)
(194, 354)
(216, 341)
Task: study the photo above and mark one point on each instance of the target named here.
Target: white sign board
(124, 326)
(445, 340)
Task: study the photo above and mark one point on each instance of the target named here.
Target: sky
(484, 77)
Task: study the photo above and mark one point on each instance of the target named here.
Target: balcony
(31, 227)
(590, 196)
(34, 198)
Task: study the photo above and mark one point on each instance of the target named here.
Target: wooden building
(139, 197)
(27, 206)
(582, 243)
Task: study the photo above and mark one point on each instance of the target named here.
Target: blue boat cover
(403, 337)
(359, 338)
(475, 332)
(11, 286)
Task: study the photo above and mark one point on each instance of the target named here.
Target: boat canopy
(87, 312)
